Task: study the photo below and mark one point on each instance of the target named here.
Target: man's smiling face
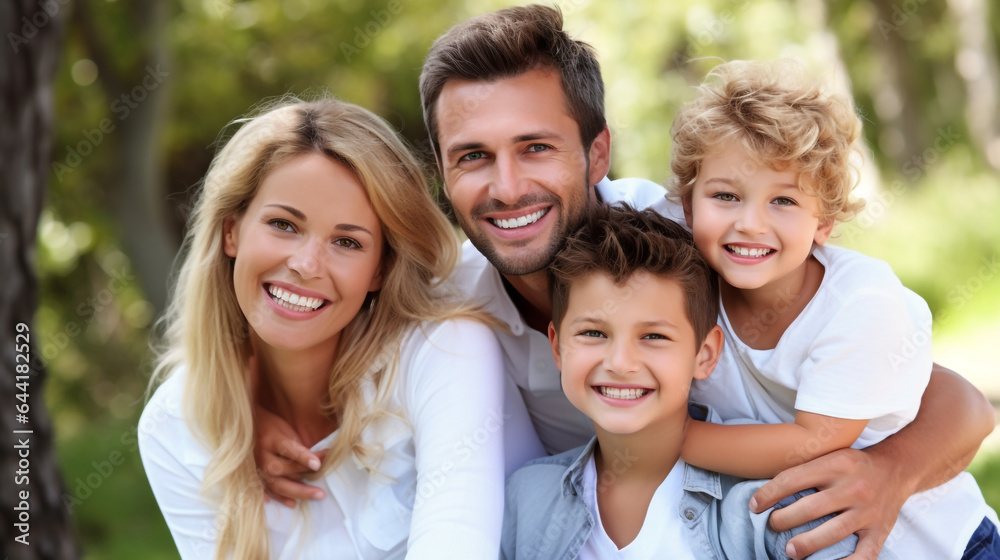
(514, 166)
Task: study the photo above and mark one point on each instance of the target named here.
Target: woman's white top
(440, 491)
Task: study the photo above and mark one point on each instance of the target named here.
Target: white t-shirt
(861, 349)
(662, 534)
(442, 497)
(527, 354)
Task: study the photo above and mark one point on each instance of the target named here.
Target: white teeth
(294, 301)
(748, 251)
(519, 222)
(624, 394)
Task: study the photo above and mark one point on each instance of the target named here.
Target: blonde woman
(315, 250)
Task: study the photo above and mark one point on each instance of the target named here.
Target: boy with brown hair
(634, 308)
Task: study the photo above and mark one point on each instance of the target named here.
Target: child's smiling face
(754, 224)
(628, 353)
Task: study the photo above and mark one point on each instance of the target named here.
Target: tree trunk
(977, 63)
(30, 494)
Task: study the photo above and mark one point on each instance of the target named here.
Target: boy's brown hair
(508, 43)
(620, 241)
(781, 118)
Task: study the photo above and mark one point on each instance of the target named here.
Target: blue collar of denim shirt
(696, 479)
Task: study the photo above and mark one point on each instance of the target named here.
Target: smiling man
(514, 109)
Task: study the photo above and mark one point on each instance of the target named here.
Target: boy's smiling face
(628, 353)
(753, 224)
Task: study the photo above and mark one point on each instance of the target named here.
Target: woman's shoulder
(462, 335)
(163, 427)
(166, 399)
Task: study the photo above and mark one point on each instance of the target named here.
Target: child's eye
(784, 201)
(347, 243)
(725, 197)
(282, 225)
(591, 333)
(655, 336)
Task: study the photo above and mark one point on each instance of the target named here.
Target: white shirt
(662, 535)
(861, 349)
(527, 354)
(443, 494)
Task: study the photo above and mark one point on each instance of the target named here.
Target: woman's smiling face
(307, 251)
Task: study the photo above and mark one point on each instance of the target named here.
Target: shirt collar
(696, 479)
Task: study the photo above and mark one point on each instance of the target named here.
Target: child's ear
(823, 232)
(708, 354)
(688, 214)
(554, 341)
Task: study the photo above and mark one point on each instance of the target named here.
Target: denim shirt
(546, 517)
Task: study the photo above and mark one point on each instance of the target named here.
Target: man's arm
(868, 487)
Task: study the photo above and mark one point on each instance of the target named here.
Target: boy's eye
(347, 243)
(591, 333)
(784, 201)
(655, 336)
(725, 197)
(282, 225)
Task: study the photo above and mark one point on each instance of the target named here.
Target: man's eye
(472, 156)
(282, 225)
(537, 148)
(784, 201)
(725, 197)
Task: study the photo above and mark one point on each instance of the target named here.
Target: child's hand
(281, 458)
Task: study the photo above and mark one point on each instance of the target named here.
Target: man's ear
(554, 341)
(708, 354)
(600, 156)
(823, 232)
(230, 236)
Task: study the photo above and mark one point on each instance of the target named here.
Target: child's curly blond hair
(783, 120)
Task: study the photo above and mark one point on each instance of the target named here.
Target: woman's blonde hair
(781, 119)
(207, 333)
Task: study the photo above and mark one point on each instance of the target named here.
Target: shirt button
(540, 365)
(689, 514)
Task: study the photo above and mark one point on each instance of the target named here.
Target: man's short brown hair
(620, 241)
(508, 43)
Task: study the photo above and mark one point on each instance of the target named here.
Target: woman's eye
(282, 225)
(784, 201)
(347, 243)
(725, 197)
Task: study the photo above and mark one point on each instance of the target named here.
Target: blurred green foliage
(934, 220)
